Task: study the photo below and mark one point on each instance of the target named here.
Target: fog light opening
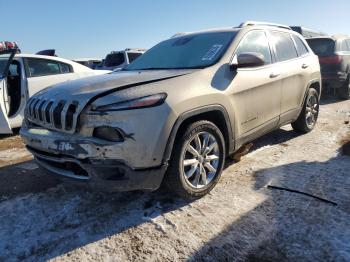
(108, 133)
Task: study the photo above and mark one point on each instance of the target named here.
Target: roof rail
(250, 23)
(178, 34)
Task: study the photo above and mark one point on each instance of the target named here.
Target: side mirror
(245, 60)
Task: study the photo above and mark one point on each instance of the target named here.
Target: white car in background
(116, 60)
(23, 75)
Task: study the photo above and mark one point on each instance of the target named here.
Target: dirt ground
(241, 219)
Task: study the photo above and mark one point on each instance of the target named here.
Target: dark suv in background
(334, 56)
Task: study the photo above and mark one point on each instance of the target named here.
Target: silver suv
(175, 113)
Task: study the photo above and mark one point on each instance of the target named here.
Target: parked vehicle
(89, 62)
(175, 113)
(119, 59)
(23, 75)
(334, 56)
(307, 32)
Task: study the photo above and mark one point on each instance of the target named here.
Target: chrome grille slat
(53, 107)
(31, 108)
(43, 110)
(47, 112)
(37, 102)
(63, 116)
(36, 109)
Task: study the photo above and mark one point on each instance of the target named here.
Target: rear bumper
(334, 80)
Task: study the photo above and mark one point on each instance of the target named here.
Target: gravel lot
(241, 219)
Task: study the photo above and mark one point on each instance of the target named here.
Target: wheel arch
(316, 84)
(213, 113)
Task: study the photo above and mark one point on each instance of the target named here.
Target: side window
(14, 69)
(343, 46)
(347, 45)
(256, 42)
(133, 56)
(65, 68)
(42, 67)
(301, 48)
(285, 47)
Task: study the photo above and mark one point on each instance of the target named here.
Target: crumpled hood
(85, 89)
(58, 107)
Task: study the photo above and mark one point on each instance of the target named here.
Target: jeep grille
(57, 115)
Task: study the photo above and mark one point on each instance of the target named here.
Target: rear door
(5, 61)
(291, 66)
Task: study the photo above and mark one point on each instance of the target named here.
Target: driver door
(5, 61)
(256, 91)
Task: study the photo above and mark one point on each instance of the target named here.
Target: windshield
(322, 47)
(191, 51)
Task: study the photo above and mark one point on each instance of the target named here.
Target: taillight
(336, 59)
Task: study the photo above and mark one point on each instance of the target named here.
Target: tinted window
(322, 46)
(189, 51)
(114, 59)
(65, 68)
(4, 59)
(42, 67)
(301, 48)
(133, 56)
(285, 47)
(14, 69)
(256, 42)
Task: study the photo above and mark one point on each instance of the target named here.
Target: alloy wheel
(311, 111)
(200, 160)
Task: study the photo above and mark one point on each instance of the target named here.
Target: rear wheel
(197, 160)
(309, 114)
(344, 92)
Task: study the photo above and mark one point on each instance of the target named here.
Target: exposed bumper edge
(102, 175)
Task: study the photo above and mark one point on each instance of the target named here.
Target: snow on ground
(241, 219)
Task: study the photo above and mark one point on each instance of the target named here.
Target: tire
(309, 114)
(189, 166)
(344, 91)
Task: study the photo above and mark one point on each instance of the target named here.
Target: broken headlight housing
(141, 102)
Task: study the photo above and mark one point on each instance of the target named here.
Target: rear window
(322, 47)
(114, 59)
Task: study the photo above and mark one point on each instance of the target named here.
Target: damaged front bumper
(86, 161)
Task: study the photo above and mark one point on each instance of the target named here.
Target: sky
(86, 28)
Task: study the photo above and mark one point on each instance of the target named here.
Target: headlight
(142, 102)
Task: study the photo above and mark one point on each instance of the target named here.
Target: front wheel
(197, 160)
(309, 114)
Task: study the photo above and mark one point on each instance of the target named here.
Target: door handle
(274, 75)
(304, 66)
